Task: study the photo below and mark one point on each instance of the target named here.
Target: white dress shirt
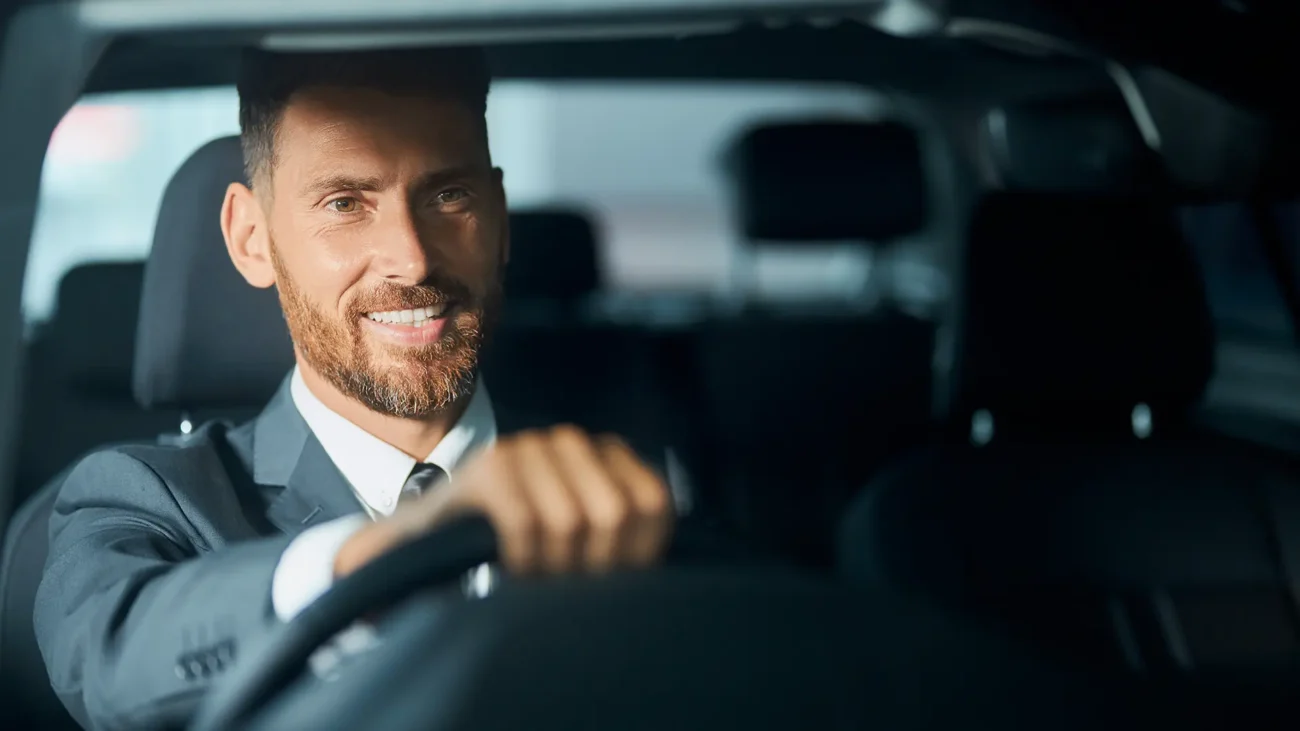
(376, 471)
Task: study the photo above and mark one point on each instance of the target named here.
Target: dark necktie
(423, 476)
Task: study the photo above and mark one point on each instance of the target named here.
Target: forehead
(323, 128)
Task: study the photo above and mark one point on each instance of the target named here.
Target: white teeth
(417, 317)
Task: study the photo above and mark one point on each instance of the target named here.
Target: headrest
(1077, 309)
(206, 338)
(825, 181)
(91, 337)
(552, 256)
(1075, 146)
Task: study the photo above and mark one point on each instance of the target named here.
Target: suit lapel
(287, 454)
(316, 492)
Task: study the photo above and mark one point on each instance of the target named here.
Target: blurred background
(641, 160)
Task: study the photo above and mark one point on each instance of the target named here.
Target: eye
(345, 205)
(451, 196)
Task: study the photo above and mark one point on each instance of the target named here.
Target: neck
(415, 437)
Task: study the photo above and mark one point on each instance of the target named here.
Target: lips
(421, 326)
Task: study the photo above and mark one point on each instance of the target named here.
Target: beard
(416, 382)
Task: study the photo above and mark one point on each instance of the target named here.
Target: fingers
(490, 485)
(562, 501)
(542, 481)
(651, 505)
(606, 507)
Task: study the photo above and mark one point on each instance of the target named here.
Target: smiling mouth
(418, 317)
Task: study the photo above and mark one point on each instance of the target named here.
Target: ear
(243, 223)
(503, 207)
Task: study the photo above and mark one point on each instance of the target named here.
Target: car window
(105, 170)
(642, 158)
(1245, 298)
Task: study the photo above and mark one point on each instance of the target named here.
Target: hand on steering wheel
(560, 501)
(556, 500)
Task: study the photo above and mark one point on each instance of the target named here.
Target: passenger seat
(1076, 506)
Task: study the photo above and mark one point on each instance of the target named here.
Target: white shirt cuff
(306, 568)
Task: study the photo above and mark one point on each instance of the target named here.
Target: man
(375, 210)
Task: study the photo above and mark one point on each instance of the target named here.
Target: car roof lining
(935, 67)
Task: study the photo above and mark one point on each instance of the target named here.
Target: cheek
(326, 264)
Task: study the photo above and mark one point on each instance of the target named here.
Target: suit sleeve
(135, 615)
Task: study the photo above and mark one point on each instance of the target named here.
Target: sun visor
(1078, 146)
(826, 181)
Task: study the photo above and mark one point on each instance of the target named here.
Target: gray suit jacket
(161, 560)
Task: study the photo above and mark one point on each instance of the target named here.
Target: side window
(1255, 392)
(1245, 299)
(105, 170)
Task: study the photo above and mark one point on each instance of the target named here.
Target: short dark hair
(268, 80)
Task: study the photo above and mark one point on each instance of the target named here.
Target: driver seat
(207, 343)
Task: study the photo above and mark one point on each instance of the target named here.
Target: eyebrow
(343, 181)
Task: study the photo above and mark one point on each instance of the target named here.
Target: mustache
(430, 293)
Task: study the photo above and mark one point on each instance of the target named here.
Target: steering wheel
(439, 558)
(436, 559)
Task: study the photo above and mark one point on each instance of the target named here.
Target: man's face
(387, 234)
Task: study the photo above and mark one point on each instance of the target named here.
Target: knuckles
(612, 503)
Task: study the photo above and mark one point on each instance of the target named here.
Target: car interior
(1037, 465)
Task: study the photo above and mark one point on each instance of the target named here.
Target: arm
(136, 614)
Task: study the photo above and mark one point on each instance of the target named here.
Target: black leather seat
(208, 343)
(1077, 507)
(799, 403)
(26, 698)
(77, 389)
(554, 264)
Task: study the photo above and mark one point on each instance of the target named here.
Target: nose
(401, 256)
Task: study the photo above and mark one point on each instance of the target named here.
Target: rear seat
(552, 359)
(554, 267)
(1077, 506)
(78, 374)
(797, 405)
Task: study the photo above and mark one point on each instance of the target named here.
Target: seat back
(1077, 506)
(207, 340)
(554, 258)
(552, 358)
(798, 403)
(1076, 309)
(28, 701)
(78, 374)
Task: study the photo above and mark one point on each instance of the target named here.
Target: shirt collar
(378, 470)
